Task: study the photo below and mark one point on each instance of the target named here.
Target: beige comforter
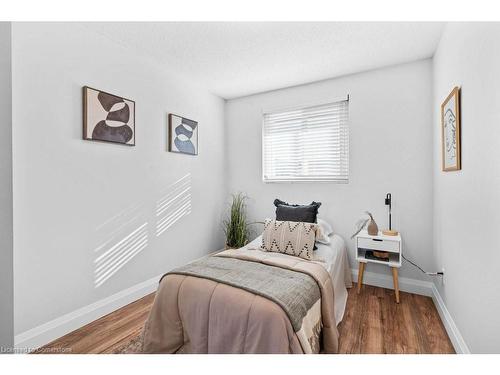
(197, 315)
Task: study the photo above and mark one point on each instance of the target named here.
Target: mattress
(334, 258)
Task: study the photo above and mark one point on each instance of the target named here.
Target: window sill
(305, 181)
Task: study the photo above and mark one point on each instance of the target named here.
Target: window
(307, 144)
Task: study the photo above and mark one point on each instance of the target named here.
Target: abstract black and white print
(183, 135)
(108, 117)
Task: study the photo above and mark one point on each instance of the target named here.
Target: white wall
(466, 203)
(74, 200)
(390, 151)
(6, 278)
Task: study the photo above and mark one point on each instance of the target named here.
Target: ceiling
(239, 59)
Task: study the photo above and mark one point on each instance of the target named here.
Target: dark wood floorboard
(373, 323)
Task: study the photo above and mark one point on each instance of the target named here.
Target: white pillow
(327, 228)
(324, 231)
(321, 237)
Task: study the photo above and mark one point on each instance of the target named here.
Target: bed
(251, 301)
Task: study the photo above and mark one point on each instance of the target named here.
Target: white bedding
(334, 258)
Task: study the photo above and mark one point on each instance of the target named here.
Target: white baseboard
(47, 332)
(449, 324)
(414, 286)
(425, 288)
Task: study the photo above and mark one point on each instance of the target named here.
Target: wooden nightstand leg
(361, 270)
(395, 280)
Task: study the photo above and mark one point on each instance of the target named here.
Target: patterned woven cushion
(289, 237)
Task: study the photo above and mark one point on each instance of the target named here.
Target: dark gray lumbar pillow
(306, 213)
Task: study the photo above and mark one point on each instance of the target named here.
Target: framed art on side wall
(183, 135)
(107, 117)
(450, 131)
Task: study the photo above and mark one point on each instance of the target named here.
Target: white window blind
(307, 144)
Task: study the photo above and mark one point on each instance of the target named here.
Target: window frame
(312, 179)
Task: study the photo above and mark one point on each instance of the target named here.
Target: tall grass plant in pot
(235, 224)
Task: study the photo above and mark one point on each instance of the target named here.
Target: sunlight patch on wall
(118, 255)
(115, 226)
(126, 234)
(174, 205)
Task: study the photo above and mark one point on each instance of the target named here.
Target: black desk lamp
(388, 202)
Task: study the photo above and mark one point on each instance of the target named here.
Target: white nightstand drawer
(378, 244)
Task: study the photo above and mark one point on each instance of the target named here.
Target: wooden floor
(108, 334)
(373, 323)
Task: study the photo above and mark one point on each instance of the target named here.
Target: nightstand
(382, 243)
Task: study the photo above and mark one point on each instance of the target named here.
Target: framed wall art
(183, 135)
(108, 117)
(450, 131)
